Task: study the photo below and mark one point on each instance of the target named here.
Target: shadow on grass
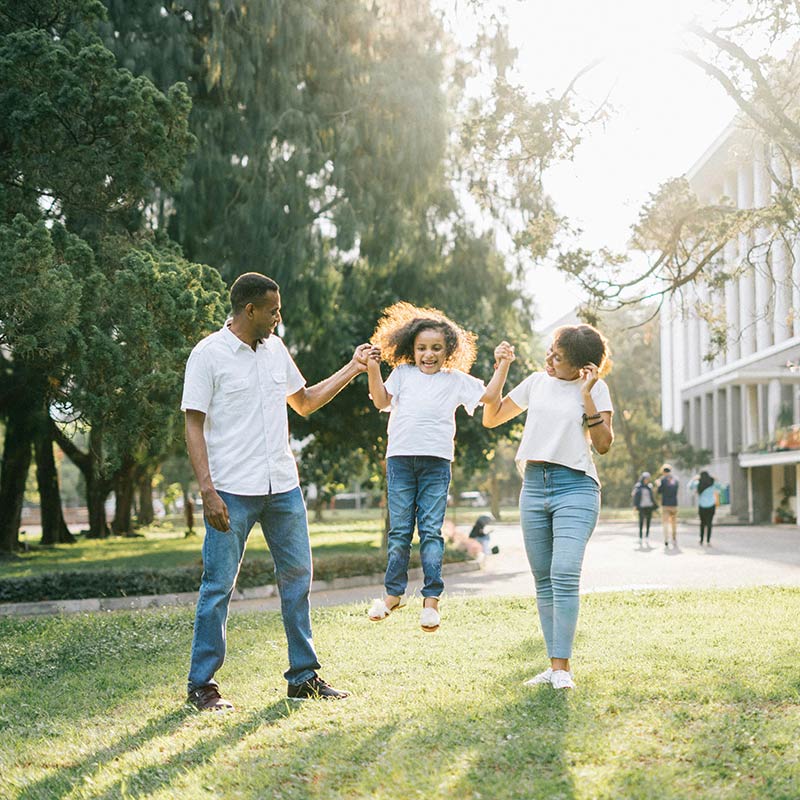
(150, 778)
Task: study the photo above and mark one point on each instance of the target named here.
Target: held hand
(360, 357)
(374, 354)
(589, 377)
(504, 352)
(215, 511)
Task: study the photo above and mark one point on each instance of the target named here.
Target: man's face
(266, 315)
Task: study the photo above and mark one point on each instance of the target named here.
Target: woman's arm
(497, 413)
(601, 431)
(503, 356)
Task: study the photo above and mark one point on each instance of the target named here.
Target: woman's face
(557, 365)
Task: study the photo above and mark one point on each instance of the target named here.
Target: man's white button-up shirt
(243, 394)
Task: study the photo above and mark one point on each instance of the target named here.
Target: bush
(77, 585)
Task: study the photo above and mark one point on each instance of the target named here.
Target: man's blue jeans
(285, 525)
(559, 507)
(417, 492)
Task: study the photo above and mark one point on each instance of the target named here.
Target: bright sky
(666, 111)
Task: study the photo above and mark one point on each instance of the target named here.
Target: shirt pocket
(236, 394)
(277, 379)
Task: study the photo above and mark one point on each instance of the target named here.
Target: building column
(667, 398)
(781, 321)
(678, 368)
(750, 414)
(795, 314)
(747, 298)
(763, 296)
(773, 405)
(717, 423)
(732, 323)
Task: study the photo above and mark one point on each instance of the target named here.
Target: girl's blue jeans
(285, 526)
(559, 507)
(417, 493)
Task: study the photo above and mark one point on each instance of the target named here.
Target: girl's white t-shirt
(554, 429)
(422, 419)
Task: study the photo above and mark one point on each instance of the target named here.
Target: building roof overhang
(775, 458)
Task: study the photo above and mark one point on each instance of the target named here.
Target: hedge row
(78, 585)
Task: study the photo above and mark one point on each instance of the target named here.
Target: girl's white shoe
(379, 610)
(429, 619)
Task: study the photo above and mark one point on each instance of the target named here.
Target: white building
(741, 405)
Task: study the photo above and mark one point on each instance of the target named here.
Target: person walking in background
(644, 502)
(707, 501)
(667, 488)
(569, 414)
(431, 356)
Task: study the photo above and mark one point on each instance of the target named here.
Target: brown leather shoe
(208, 698)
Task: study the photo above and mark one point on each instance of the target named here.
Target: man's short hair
(666, 468)
(250, 287)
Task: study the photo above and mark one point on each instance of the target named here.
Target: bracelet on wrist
(595, 424)
(593, 416)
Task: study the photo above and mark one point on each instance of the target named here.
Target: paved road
(739, 556)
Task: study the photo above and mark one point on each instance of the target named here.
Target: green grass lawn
(166, 547)
(680, 695)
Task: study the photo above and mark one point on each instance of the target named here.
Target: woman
(707, 501)
(569, 412)
(644, 501)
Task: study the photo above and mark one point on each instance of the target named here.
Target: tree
(752, 50)
(82, 143)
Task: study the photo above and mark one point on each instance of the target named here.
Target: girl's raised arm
(380, 397)
(496, 411)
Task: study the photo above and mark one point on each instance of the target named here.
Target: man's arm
(307, 400)
(214, 508)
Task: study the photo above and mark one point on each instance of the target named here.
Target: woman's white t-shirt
(422, 412)
(554, 429)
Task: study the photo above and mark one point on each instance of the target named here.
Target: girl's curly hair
(398, 328)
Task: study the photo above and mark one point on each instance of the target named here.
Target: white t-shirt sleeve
(471, 390)
(520, 395)
(393, 386)
(198, 382)
(602, 397)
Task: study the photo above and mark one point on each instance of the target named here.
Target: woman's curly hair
(398, 328)
(583, 344)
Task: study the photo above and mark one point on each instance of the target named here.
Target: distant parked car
(474, 499)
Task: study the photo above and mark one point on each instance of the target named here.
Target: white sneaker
(542, 677)
(561, 679)
(429, 619)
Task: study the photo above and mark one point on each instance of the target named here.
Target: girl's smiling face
(430, 351)
(558, 366)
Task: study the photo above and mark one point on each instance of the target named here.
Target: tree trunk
(97, 487)
(144, 487)
(494, 493)
(54, 529)
(188, 511)
(123, 491)
(16, 462)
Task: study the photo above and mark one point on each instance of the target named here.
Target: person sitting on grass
(431, 356)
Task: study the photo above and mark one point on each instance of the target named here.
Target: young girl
(569, 413)
(431, 356)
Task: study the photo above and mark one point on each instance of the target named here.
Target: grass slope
(681, 695)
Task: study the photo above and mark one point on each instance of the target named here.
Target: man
(238, 382)
(667, 488)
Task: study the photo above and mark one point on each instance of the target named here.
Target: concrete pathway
(739, 556)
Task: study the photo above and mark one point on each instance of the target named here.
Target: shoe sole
(432, 629)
